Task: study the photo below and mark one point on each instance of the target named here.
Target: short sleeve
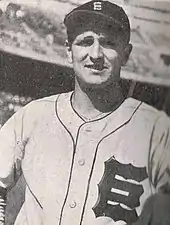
(11, 149)
(159, 156)
(14, 136)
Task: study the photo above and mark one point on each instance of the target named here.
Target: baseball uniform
(84, 172)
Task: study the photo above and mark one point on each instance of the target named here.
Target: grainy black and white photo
(84, 112)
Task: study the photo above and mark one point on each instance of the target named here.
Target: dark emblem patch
(114, 191)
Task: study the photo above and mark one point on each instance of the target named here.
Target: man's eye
(85, 42)
(108, 44)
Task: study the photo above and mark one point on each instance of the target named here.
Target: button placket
(80, 175)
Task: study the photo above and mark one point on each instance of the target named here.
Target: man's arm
(11, 152)
(156, 210)
(159, 156)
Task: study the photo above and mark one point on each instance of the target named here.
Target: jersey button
(81, 162)
(73, 204)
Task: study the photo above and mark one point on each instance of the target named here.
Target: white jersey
(83, 173)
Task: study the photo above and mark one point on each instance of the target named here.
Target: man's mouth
(97, 67)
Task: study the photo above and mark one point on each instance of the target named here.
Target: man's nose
(96, 51)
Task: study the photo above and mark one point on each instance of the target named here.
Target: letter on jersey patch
(118, 198)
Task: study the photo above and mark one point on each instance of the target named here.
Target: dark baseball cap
(97, 15)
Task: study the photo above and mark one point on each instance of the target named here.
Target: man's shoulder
(50, 99)
(42, 107)
(148, 113)
(46, 102)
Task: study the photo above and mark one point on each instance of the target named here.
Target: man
(89, 156)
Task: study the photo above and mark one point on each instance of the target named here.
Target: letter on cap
(97, 6)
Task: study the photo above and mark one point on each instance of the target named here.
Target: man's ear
(126, 53)
(69, 52)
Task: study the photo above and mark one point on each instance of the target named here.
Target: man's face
(97, 58)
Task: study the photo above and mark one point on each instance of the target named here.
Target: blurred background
(33, 61)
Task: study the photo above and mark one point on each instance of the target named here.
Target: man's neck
(92, 103)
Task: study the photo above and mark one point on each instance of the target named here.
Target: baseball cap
(96, 15)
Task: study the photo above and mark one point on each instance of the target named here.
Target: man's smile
(96, 67)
